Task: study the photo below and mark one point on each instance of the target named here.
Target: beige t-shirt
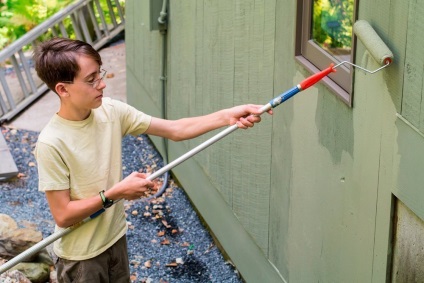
(85, 157)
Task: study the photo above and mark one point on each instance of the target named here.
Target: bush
(333, 21)
(17, 17)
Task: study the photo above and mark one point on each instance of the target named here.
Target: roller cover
(375, 45)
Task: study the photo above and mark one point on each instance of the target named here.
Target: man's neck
(73, 114)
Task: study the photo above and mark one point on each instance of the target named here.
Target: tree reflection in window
(332, 26)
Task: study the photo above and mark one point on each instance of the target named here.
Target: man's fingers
(142, 175)
(254, 118)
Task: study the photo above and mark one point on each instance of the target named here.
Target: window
(324, 36)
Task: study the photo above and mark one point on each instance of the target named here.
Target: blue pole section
(284, 96)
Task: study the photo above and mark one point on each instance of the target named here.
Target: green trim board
(407, 164)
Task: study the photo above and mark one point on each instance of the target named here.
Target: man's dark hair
(56, 59)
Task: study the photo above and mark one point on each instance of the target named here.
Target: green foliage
(17, 17)
(332, 23)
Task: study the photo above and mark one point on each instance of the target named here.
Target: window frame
(314, 58)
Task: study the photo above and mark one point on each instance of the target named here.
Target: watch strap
(106, 202)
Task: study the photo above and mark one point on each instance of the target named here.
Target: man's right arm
(67, 212)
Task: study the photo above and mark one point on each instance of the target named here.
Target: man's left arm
(244, 116)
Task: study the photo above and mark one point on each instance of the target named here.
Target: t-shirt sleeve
(53, 173)
(133, 121)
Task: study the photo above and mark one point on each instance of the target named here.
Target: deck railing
(85, 20)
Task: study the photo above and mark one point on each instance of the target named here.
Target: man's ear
(61, 90)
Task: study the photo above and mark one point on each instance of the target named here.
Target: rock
(7, 224)
(53, 276)
(35, 272)
(15, 242)
(44, 257)
(13, 276)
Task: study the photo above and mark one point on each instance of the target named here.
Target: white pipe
(162, 15)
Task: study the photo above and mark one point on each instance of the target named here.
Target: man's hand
(245, 116)
(134, 186)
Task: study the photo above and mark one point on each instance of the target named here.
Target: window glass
(332, 22)
(323, 37)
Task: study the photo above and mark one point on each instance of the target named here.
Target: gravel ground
(166, 239)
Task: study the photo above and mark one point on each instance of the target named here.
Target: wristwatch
(106, 202)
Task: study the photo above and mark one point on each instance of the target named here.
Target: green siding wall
(307, 195)
(227, 58)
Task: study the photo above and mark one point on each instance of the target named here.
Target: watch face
(108, 203)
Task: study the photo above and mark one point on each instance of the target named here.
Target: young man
(79, 158)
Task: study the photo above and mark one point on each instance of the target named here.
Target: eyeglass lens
(102, 76)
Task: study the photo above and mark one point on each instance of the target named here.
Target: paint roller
(373, 43)
(371, 40)
(379, 51)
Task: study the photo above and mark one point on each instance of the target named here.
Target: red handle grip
(316, 77)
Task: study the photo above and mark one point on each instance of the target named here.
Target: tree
(333, 21)
(17, 17)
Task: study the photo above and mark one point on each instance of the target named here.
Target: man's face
(86, 91)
